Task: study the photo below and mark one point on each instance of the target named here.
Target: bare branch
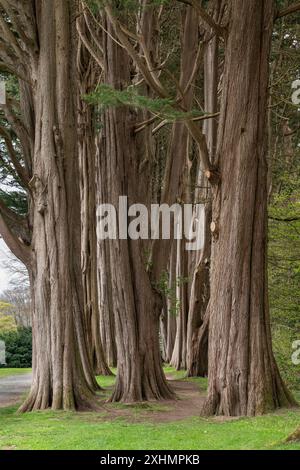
(95, 54)
(10, 38)
(92, 31)
(143, 125)
(16, 14)
(21, 172)
(288, 10)
(207, 19)
(10, 69)
(285, 219)
(200, 139)
(149, 76)
(14, 243)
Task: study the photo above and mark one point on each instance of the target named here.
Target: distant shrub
(18, 345)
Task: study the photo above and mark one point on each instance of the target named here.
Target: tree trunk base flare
(73, 399)
(261, 400)
(140, 389)
(62, 373)
(106, 372)
(143, 378)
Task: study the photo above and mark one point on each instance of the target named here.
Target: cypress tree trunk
(198, 316)
(88, 72)
(62, 373)
(178, 360)
(171, 305)
(106, 310)
(104, 272)
(243, 375)
(197, 327)
(137, 306)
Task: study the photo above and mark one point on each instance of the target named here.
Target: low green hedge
(18, 346)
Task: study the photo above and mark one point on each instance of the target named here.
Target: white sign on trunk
(2, 353)
(2, 93)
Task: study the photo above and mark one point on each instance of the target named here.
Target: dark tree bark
(243, 375)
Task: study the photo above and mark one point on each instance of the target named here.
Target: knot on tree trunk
(213, 176)
(39, 191)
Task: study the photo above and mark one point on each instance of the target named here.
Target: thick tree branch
(153, 81)
(15, 221)
(88, 16)
(20, 130)
(150, 77)
(89, 46)
(14, 243)
(9, 37)
(285, 219)
(207, 19)
(23, 22)
(200, 140)
(288, 10)
(21, 172)
(10, 69)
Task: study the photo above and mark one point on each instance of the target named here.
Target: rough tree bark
(88, 72)
(243, 375)
(175, 186)
(171, 306)
(178, 359)
(106, 309)
(137, 306)
(197, 326)
(62, 373)
(198, 316)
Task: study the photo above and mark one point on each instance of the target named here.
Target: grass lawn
(8, 372)
(122, 427)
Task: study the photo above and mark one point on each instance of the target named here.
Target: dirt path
(187, 405)
(13, 387)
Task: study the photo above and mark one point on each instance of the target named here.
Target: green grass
(107, 381)
(181, 375)
(8, 372)
(115, 429)
(61, 430)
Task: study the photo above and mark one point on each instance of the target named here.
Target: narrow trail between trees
(13, 387)
(189, 394)
(189, 400)
(190, 397)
